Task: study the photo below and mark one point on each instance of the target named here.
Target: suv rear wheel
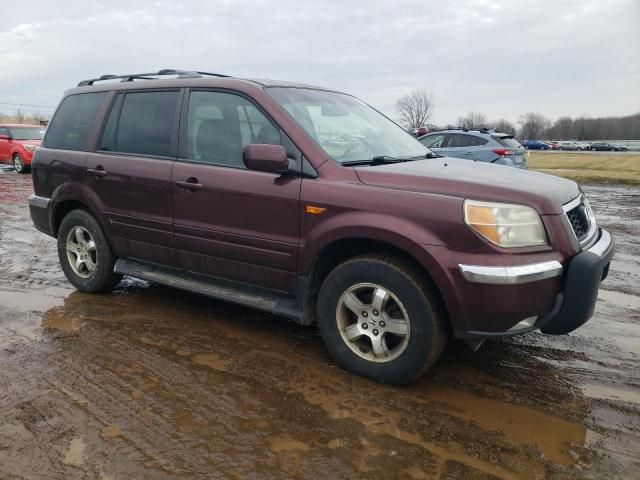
(379, 318)
(85, 255)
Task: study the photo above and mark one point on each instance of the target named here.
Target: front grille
(581, 219)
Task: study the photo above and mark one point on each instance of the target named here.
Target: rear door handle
(190, 184)
(98, 171)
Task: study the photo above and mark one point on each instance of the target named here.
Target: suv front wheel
(380, 318)
(85, 255)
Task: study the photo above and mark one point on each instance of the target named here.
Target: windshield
(346, 128)
(22, 133)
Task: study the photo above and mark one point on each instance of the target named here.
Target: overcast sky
(502, 58)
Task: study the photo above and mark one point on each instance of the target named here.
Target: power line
(27, 105)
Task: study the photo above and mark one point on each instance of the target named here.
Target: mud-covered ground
(154, 383)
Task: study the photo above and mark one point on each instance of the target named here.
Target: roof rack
(150, 76)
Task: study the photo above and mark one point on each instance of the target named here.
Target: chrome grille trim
(591, 220)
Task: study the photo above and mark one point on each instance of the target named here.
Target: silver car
(569, 145)
(479, 145)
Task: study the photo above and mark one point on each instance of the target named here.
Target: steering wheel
(353, 145)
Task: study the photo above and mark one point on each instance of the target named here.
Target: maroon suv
(310, 204)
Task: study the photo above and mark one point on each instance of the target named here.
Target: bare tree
(505, 126)
(415, 108)
(533, 126)
(473, 120)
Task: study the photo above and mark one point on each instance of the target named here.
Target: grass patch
(589, 168)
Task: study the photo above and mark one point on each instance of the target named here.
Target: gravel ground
(153, 383)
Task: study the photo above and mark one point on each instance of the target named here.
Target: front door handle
(99, 171)
(190, 184)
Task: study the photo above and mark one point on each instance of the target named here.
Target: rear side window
(463, 140)
(432, 141)
(476, 141)
(141, 123)
(73, 121)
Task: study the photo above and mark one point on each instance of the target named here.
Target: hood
(474, 180)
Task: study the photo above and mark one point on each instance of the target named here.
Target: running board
(219, 289)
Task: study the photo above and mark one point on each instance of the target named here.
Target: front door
(5, 145)
(230, 222)
(131, 174)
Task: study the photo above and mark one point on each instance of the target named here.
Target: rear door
(130, 172)
(231, 222)
(458, 145)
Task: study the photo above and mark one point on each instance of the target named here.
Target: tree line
(416, 108)
(23, 117)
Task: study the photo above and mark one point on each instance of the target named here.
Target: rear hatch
(513, 150)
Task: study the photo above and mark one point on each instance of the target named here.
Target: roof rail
(150, 76)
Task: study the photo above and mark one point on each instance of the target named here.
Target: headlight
(504, 224)
(30, 148)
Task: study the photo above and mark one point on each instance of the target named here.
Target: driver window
(219, 126)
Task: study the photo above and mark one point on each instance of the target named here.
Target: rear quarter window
(73, 121)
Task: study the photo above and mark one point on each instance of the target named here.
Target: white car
(569, 145)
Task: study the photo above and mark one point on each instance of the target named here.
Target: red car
(17, 144)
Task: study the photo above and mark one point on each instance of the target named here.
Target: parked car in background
(534, 145)
(480, 145)
(224, 187)
(621, 148)
(606, 147)
(418, 132)
(551, 145)
(568, 145)
(17, 144)
(583, 145)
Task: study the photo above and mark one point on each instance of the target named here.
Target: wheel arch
(68, 197)
(340, 250)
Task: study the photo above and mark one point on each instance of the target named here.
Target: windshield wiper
(378, 160)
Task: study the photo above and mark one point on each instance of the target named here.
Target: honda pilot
(310, 204)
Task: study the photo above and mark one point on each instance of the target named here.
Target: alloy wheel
(373, 323)
(81, 252)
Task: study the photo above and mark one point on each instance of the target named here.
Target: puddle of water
(523, 425)
(620, 299)
(58, 318)
(110, 432)
(29, 301)
(608, 392)
(285, 443)
(75, 452)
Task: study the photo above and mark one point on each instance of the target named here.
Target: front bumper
(573, 306)
(586, 271)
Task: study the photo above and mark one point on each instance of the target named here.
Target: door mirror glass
(265, 158)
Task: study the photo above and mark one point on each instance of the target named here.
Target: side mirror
(265, 158)
(5, 137)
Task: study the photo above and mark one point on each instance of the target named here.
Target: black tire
(102, 279)
(18, 164)
(427, 333)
